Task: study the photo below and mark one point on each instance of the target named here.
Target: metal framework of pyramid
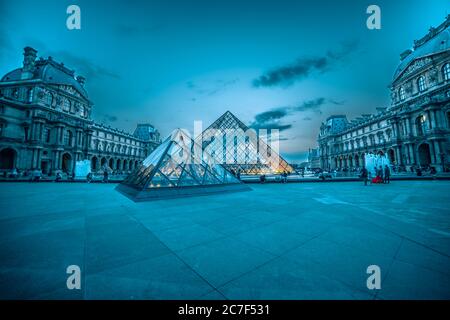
(244, 154)
(174, 169)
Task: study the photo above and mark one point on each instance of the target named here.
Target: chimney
(29, 59)
(81, 80)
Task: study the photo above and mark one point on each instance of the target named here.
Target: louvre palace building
(415, 129)
(46, 124)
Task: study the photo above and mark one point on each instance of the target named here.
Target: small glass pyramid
(178, 168)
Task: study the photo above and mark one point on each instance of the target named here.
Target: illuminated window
(446, 71)
(402, 94)
(421, 123)
(421, 84)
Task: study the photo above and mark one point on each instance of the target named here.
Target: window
(421, 84)
(446, 71)
(83, 111)
(49, 99)
(68, 138)
(421, 123)
(47, 135)
(15, 93)
(30, 94)
(25, 133)
(66, 105)
(401, 93)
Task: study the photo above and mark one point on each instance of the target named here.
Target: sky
(275, 64)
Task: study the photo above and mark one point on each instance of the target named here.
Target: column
(433, 118)
(398, 155)
(437, 149)
(430, 125)
(432, 151)
(411, 154)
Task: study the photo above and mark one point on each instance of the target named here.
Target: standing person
(365, 175)
(262, 178)
(285, 176)
(105, 176)
(380, 174)
(387, 174)
(89, 177)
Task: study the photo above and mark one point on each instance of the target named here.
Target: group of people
(383, 175)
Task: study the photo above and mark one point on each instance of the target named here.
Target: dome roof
(50, 72)
(437, 40)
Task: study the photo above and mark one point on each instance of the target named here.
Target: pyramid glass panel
(179, 167)
(238, 149)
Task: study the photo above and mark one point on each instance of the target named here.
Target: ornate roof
(435, 41)
(50, 72)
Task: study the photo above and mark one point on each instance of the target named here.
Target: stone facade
(45, 123)
(414, 130)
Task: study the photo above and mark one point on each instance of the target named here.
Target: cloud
(218, 86)
(272, 119)
(82, 66)
(109, 118)
(303, 67)
(311, 105)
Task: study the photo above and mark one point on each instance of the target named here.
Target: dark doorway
(66, 163)
(7, 158)
(424, 154)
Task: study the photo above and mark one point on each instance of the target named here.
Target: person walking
(387, 174)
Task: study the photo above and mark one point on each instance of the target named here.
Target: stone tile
(338, 262)
(109, 245)
(421, 256)
(407, 281)
(283, 279)
(186, 236)
(275, 239)
(223, 260)
(164, 277)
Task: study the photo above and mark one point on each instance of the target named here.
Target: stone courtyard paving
(294, 241)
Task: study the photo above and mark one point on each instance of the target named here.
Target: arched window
(446, 71)
(421, 84)
(401, 93)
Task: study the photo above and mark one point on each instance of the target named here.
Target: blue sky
(281, 64)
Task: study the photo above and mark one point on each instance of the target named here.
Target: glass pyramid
(179, 163)
(243, 153)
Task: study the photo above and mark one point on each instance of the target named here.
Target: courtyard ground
(292, 241)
